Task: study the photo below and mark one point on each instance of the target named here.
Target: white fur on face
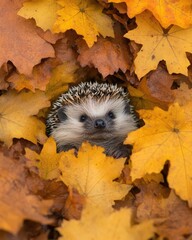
(72, 130)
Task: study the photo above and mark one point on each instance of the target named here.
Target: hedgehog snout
(99, 124)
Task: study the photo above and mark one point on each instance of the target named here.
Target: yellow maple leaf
(166, 136)
(158, 44)
(48, 159)
(43, 11)
(177, 12)
(16, 116)
(97, 225)
(85, 17)
(92, 173)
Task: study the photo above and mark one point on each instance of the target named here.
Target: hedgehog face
(96, 112)
(95, 120)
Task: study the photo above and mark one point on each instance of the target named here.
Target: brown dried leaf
(19, 42)
(157, 85)
(64, 48)
(172, 215)
(183, 94)
(74, 204)
(107, 55)
(39, 78)
(16, 203)
(3, 73)
(53, 190)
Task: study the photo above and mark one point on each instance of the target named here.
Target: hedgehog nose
(99, 123)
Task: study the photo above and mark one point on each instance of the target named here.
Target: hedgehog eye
(61, 114)
(83, 118)
(111, 115)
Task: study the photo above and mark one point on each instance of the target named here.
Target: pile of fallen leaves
(49, 45)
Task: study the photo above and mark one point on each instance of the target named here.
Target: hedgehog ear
(127, 108)
(61, 114)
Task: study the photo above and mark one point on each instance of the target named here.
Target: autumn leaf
(3, 74)
(153, 90)
(113, 57)
(183, 94)
(95, 224)
(166, 136)
(16, 202)
(47, 46)
(64, 48)
(92, 173)
(60, 78)
(143, 100)
(172, 217)
(16, 116)
(85, 17)
(140, 100)
(21, 45)
(170, 45)
(157, 85)
(177, 12)
(39, 78)
(48, 160)
(43, 11)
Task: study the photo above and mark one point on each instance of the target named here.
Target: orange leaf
(16, 202)
(112, 52)
(172, 216)
(37, 80)
(19, 42)
(177, 12)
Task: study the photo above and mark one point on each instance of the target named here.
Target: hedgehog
(99, 113)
